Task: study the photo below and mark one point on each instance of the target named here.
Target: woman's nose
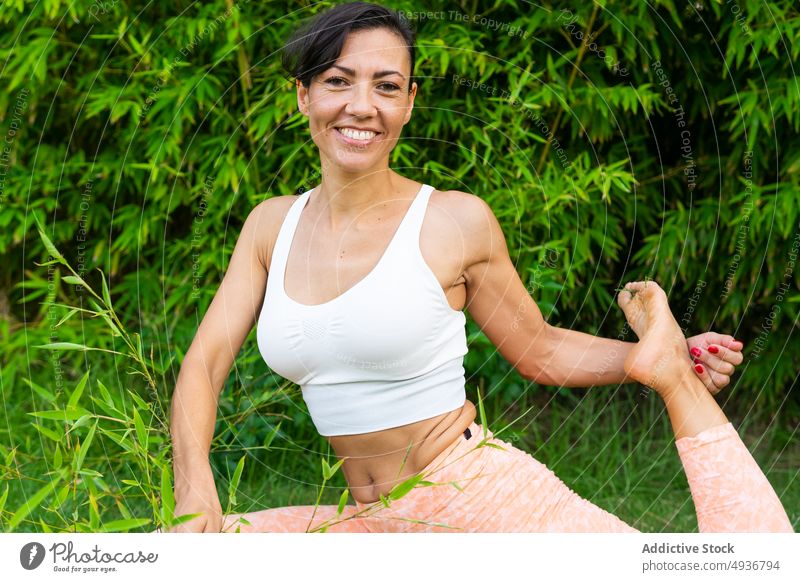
(360, 102)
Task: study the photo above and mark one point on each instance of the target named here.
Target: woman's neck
(344, 197)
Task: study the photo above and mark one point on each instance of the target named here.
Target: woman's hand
(717, 355)
(196, 493)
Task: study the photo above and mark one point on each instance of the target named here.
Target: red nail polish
(695, 351)
(713, 349)
(699, 369)
(696, 361)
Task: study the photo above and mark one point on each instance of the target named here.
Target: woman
(370, 272)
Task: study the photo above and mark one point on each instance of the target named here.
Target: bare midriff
(374, 461)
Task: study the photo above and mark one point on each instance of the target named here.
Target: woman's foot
(659, 359)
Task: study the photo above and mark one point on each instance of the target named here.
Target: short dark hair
(316, 44)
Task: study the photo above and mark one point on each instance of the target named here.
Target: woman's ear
(411, 97)
(302, 97)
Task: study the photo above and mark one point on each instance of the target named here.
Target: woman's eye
(335, 81)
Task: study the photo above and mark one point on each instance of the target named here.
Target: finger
(714, 381)
(727, 354)
(734, 345)
(713, 362)
(704, 375)
(725, 340)
(712, 337)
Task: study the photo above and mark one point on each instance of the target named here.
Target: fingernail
(695, 352)
(713, 349)
(699, 369)
(696, 361)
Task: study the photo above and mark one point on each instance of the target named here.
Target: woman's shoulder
(271, 212)
(463, 222)
(267, 216)
(469, 211)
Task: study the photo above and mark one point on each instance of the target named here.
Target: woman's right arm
(229, 319)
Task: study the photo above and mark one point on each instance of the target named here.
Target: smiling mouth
(357, 138)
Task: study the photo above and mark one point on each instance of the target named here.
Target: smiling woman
(354, 73)
(358, 288)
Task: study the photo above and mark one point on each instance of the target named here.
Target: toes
(623, 298)
(635, 286)
(646, 288)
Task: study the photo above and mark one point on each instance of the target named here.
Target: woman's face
(365, 89)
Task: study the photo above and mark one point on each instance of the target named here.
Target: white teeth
(359, 135)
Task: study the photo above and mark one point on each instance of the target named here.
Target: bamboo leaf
(85, 446)
(336, 466)
(106, 294)
(271, 436)
(33, 502)
(94, 512)
(167, 496)
(124, 525)
(237, 475)
(64, 415)
(63, 346)
(482, 412)
(402, 489)
(339, 508)
(141, 431)
(43, 392)
(61, 497)
(73, 280)
(48, 244)
(106, 395)
(76, 393)
(326, 469)
(49, 433)
(485, 444)
(69, 314)
(122, 440)
(184, 518)
(3, 499)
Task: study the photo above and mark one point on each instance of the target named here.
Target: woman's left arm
(500, 304)
(600, 360)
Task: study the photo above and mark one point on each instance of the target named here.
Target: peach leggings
(510, 491)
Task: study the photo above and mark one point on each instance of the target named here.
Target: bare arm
(226, 324)
(581, 360)
(502, 307)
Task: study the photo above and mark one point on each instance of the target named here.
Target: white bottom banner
(355, 557)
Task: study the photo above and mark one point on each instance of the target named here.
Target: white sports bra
(388, 351)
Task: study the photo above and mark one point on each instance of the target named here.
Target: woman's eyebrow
(374, 76)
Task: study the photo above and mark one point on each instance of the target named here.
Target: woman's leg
(491, 488)
(730, 492)
(295, 519)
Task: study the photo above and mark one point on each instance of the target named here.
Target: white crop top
(388, 351)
